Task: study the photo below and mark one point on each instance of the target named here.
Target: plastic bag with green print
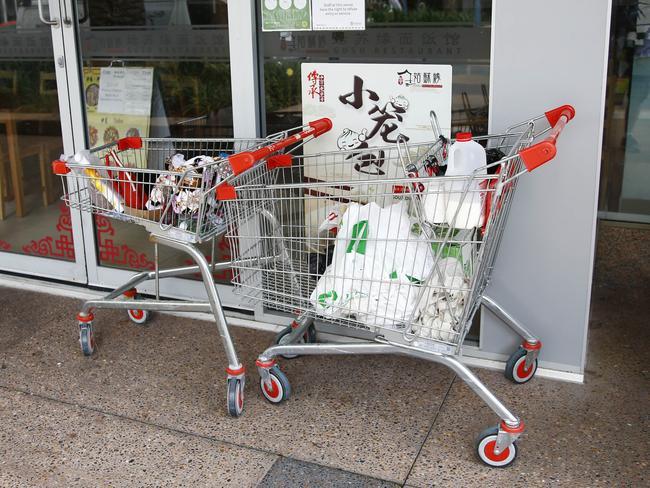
(376, 265)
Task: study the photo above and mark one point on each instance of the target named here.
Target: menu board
(125, 91)
(373, 104)
(118, 103)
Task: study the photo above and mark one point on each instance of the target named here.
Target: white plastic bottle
(465, 158)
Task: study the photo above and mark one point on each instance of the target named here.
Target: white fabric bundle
(376, 264)
(439, 310)
(444, 203)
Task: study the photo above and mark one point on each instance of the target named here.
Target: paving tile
(589, 435)
(47, 443)
(367, 415)
(288, 472)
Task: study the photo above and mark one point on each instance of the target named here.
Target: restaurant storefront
(206, 69)
(213, 73)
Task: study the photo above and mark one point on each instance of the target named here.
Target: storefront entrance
(52, 57)
(205, 69)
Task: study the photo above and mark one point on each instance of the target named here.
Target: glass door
(173, 57)
(401, 31)
(625, 170)
(39, 235)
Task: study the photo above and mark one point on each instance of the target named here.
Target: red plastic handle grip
(60, 167)
(242, 161)
(321, 126)
(542, 152)
(129, 143)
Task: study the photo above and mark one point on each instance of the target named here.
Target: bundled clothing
(185, 198)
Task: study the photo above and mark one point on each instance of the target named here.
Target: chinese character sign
(372, 105)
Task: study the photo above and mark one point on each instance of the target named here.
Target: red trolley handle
(240, 162)
(545, 150)
(60, 167)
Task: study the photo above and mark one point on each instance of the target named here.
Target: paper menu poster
(338, 15)
(104, 128)
(125, 91)
(370, 105)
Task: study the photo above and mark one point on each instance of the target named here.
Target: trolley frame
(82, 183)
(496, 446)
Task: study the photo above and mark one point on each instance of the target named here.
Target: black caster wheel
(283, 338)
(516, 370)
(279, 389)
(235, 396)
(485, 444)
(86, 338)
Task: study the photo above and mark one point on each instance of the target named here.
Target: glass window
(624, 189)
(181, 49)
(32, 218)
(455, 32)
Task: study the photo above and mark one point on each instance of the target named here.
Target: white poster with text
(373, 104)
(338, 15)
(125, 91)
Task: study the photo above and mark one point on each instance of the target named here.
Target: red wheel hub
(490, 454)
(273, 391)
(240, 399)
(137, 314)
(522, 371)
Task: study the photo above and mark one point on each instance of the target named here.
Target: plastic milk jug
(464, 210)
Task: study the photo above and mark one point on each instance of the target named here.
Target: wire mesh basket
(394, 249)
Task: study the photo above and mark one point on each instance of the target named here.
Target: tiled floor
(148, 408)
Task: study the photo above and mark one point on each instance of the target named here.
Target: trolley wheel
(485, 444)
(279, 390)
(235, 397)
(311, 334)
(86, 338)
(139, 317)
(309, 337)
(516, 367)
(283, 338)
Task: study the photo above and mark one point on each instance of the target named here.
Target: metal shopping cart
(172, 188)
(392, 251)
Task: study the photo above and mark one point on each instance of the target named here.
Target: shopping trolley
(172, 188)
(393, 250)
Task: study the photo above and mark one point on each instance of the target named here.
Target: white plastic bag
(376, 267)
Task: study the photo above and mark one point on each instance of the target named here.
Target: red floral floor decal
(120, 254)
(61, 246)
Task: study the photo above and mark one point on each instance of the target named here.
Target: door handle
(41, 16)
(84, 17)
